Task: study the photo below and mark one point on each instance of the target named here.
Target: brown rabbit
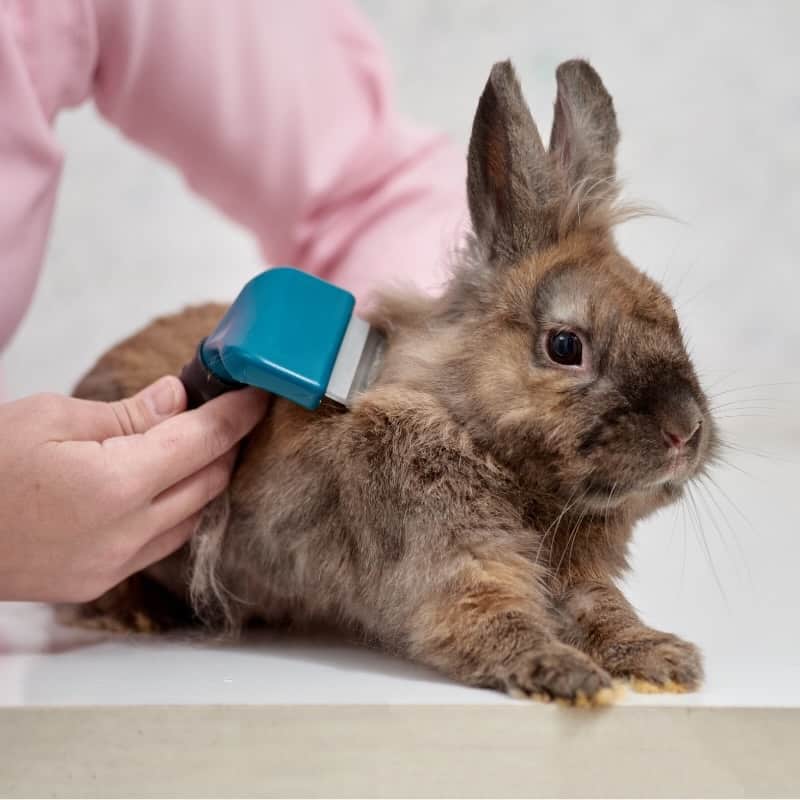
(473, 509)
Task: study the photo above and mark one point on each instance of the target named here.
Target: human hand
(92, 492)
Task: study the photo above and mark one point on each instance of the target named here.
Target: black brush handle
(201, 383)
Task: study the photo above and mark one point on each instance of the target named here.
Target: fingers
(184, 444)
(161, 546)
(175, 513)
(96, 421)
(190, 495)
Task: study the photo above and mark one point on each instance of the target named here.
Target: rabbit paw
(655, 662)
(562, 673)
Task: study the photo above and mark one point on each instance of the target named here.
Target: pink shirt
(278, 112)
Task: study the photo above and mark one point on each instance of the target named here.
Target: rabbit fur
(473, 510)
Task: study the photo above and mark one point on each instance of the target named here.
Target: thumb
(153, 404)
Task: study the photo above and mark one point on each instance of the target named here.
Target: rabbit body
(473, 509)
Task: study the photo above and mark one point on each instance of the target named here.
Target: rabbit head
(558, 355)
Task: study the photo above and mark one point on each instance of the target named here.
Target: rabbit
(472, 511)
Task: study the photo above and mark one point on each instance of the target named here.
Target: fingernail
(161, 397)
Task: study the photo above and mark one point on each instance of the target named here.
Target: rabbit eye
(565, 347)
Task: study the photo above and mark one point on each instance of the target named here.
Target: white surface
(280, 670)
(707, 100)
(746, 626)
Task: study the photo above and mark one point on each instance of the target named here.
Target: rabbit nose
(680, 421)
(679, 417)
(677, 436)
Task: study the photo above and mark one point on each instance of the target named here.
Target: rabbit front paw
(559, 672)
(655, 662)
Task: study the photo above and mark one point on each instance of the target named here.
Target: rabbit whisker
(736, 539)
(698, 526)
(554, 525)
(571, 540)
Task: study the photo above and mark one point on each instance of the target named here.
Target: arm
(280, 114)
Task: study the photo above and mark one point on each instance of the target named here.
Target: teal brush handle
(282, 334)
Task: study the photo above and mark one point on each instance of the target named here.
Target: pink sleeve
(280, 114)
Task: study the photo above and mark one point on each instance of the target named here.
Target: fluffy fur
(473, 510)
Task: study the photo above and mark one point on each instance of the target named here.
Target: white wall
(707, 97)
(710, 112)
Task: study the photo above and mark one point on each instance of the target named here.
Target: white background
(707, 99)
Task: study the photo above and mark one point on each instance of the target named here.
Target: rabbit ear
(585, 135)
(511, 184)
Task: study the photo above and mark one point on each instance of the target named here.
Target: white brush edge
(348, 360)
